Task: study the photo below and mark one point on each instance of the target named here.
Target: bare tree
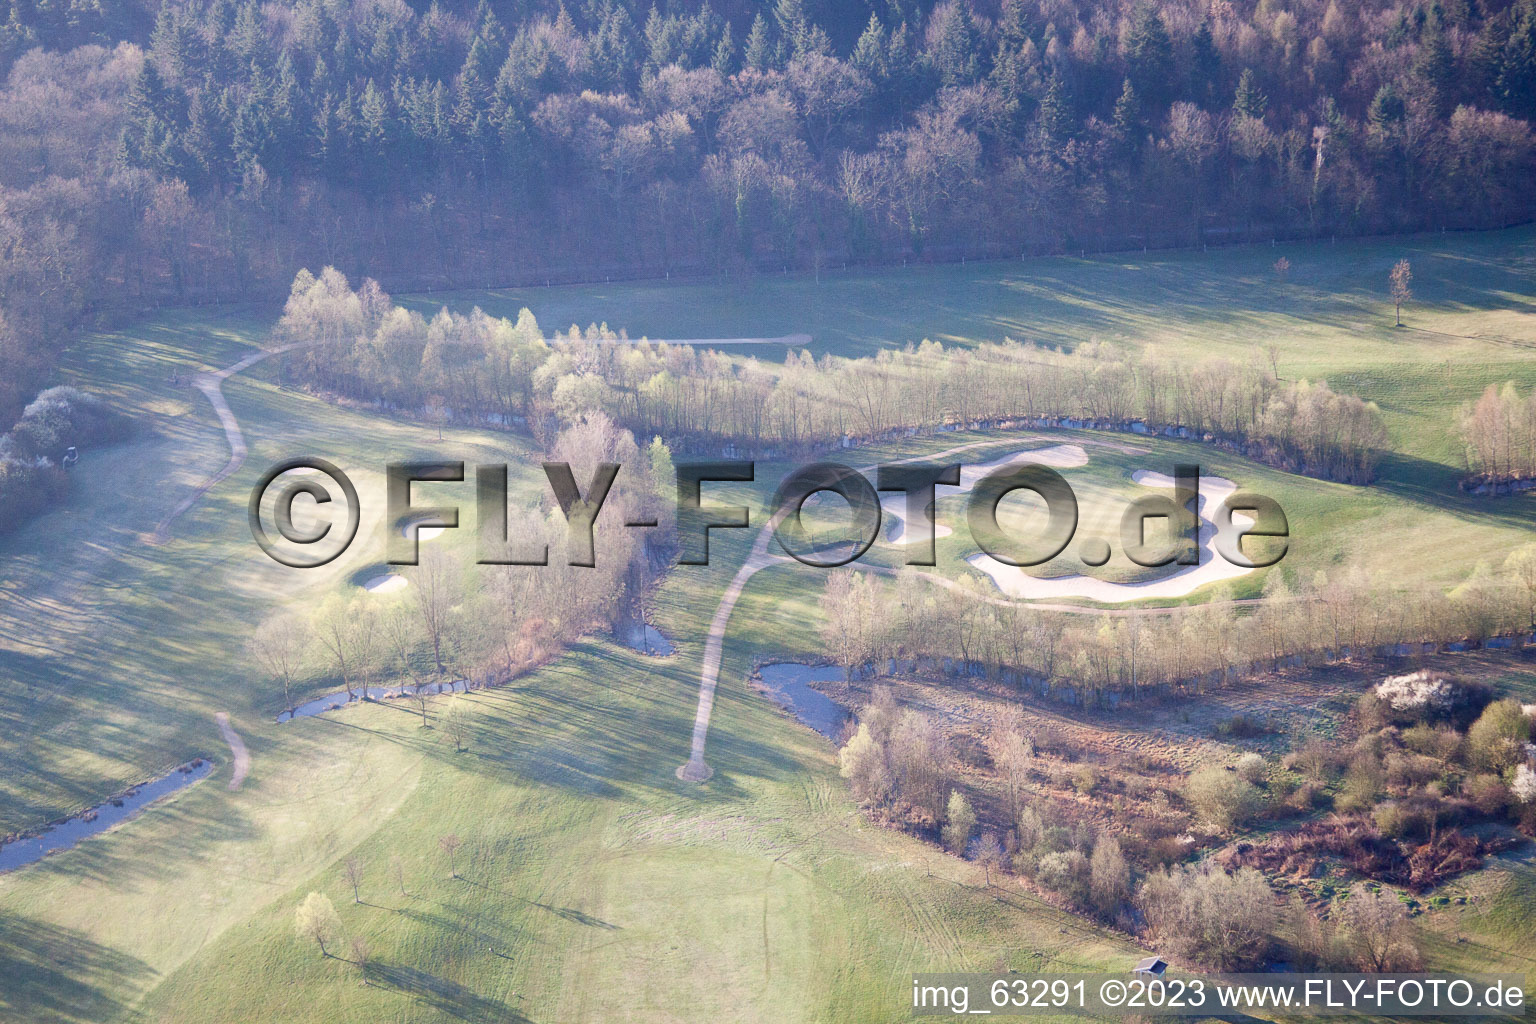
(1400, 279)
(360, 957)
(1014, 756)
(1110, 877)
(337, 629)
(455, 723)
(1379, 931)
(397, 872)
(422, 698)
(450, 844)
(278, 646)
(435, 594)
(352, 871)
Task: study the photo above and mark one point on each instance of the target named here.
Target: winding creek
(63, 835)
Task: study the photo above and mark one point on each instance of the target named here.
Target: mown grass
(595, 885)
(587, 864)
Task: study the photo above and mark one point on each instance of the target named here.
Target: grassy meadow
(593, 885)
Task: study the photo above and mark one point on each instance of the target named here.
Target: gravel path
(696, 769)
(237, 747)
(211, 384)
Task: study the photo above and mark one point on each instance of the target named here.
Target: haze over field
(1288, 243)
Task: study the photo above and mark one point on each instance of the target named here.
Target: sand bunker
(1214, 490)
(426, 529)
(388, 583)
(893, 504)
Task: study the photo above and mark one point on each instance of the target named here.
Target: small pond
(645, 638)
(789, 685)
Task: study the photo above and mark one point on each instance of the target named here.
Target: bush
(1220, 798)
(1308, 795)
(1316, 759)
(1405, 770)
(1496, 741)
(30, 478)
(1524, 785)
(1363, 784)
(1067, 873)
(1201, 912)
(1488, 794)
(1242, 727)
(1251, 768)
(959, 823)
(1442, 742)
(1085, 779)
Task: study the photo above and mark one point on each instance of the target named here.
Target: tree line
(878, 625)
(1499, 434)
(358, 345)
(483, 623)
(33, 453)
(196, 151)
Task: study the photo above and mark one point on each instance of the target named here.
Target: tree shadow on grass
(441, 994)
(579, 917)
(53, 975)
(1435, 484)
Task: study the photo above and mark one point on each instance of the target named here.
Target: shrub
(1085, 779)
(1524, 785)
(1418, 694)
(1220, 798)
(1405, 770)
(1308, 795)
(1496, 741)
(1442, 742)
(1487, 793)
(1363, 784)
(61, 417)
(30, 478)
(1251, 768)
(1201, 912)
(1067, 873)
(959, 823)
(1242, 727)
(1315, 759)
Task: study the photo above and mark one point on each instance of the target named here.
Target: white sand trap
(1214, 490)
(386, 584)
(894, 504)
(424, 531)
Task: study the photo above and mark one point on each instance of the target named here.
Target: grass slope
(607, 889)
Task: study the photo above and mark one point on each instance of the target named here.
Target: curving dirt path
(212, 385)
(236, 747)
(696, 769)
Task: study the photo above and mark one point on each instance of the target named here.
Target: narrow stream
(339, 699)
(65, 834)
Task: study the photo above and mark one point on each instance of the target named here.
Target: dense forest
(203, 150)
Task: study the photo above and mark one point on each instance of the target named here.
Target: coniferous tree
(1149, 56)
(1248, 101)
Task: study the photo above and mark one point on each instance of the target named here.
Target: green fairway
(1473, 321)
(593, 885)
